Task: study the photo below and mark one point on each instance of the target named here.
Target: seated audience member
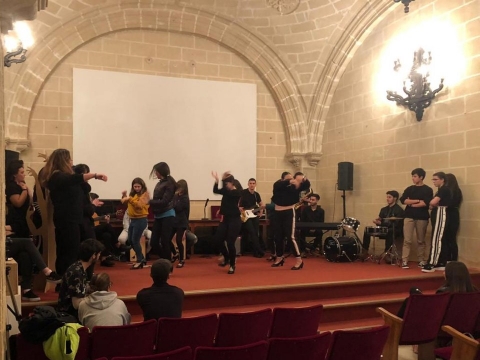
(161, 299)
(312, 213)
(457, 280)
(102, 307)
(74, 282)
(26, 255)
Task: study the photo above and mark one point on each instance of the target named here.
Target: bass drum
(341, 249)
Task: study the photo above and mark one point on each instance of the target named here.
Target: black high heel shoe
(137, 266)
(280, 263)
(297, 268)
(231, 270)
(272, 258)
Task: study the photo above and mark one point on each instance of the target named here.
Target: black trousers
(284, 228)
(250, 229)
(67, 239)
(227, 232)
(451, 232)
(317, 242)
(161, 237)
(26, 255)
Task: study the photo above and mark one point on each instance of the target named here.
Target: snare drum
(341, 249)
(350, 224)
(376, 230)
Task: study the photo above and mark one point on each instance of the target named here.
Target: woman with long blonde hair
(66, 195)
(138, 213)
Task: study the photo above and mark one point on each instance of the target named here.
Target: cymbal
(393, 218)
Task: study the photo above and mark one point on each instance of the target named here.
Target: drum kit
(344, 248)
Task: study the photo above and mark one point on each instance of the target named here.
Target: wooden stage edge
(349, 300)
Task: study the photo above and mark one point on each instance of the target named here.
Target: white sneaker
(405, 265)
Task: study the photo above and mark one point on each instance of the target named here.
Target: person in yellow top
(137, 211)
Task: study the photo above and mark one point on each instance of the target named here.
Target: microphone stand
(205, 211)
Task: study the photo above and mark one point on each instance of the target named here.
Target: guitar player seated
(105, 233)
(312, 213)
(251, 200)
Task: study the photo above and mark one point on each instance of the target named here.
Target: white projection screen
(125, 123)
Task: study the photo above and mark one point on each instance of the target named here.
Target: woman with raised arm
(137, 211)
(230, 225)
(181, 204)
(67, 197)
(162, 206)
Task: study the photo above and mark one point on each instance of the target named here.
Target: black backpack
(43, 323)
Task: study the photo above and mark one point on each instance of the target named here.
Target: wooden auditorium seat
(237, 329)
(193, 332)
(358, 344)
(184, 353)
(308, 347)
(123, 340)
(295, 322)
(419, 326)
(255, 351)
(463, 347)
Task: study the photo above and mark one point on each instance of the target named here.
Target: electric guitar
(249, 214)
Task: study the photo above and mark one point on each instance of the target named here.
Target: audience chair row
(424, 316)
(341, 345)
(224, 330)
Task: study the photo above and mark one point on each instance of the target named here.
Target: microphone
(205, 210)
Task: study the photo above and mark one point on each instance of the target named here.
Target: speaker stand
(344, 208)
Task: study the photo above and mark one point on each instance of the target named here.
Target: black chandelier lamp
(11, 57)
(419, 94)
(16, 43)
(406, 3)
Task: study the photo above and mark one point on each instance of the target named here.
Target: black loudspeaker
(345, 176)
(10, 156)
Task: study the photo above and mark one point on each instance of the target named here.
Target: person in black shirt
(21, 247)
(312, 213)
(230, 225)
(416, 198)
(453, 217)
(67, 197)
(181, 204)
(161, 299)
(163, 211)
(251, 200)
(74, 282)
(286, 193)
(391, 210)
(439, 217)
(18, 199)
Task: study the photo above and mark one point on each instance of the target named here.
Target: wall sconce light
(419, 94)
(406, 3)
(16, 44)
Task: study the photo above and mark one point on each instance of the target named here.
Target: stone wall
(385, 142)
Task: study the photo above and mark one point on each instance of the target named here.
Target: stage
(349, 291)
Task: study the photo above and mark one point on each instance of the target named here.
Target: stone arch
(345, 40)
(50, 51)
